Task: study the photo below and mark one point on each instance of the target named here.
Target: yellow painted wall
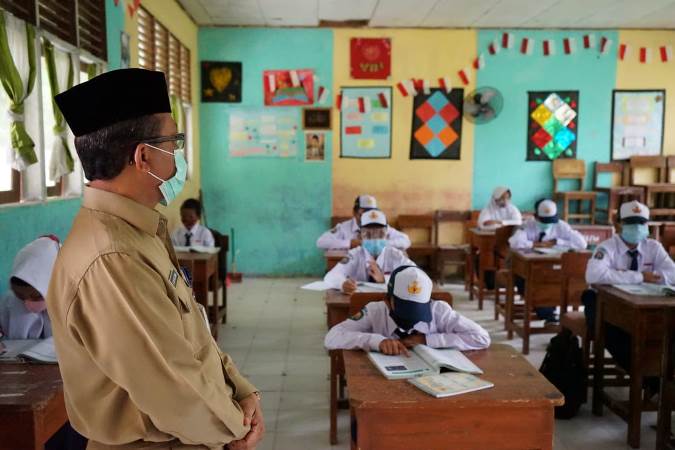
(631, 74)
(402, 185)
(180, 25)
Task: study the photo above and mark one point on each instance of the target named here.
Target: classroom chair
(667, 397)
(667, 238)
(471, 222)
(573, 169)
(219, 314)
(616, 193)
(503, 278)
(594, 234)
(453, 255)
(423, 250)
(659, 191)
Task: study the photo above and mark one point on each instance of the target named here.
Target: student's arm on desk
(664, 266)
(355, 332)
(599, 271)
(519, 240)
(516, 217)
(336, 276)
(135, 334)
(455, 330)
(571, 239)
(332, 239)
(398, 239)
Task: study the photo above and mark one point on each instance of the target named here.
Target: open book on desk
(649, 289)
(366, 286)
(551, 250)
(449, 383)
(34, 350)
(423, 360)
(196, 249)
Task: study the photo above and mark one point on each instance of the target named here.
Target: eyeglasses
(178, 138)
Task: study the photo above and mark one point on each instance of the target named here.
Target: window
(53, 186)
(90, 22)
(24, 10)
(9, 178)
(58, 17)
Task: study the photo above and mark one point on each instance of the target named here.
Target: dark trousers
(488, 275)
(543, 312)
(66, 439)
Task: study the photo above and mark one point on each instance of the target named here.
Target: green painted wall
(278, 207)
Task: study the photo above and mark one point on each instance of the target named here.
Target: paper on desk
(551, 251)
(648, 289)
(365, 286)
(197, 249)
(316, 286)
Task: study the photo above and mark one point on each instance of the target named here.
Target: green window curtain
(17, 75)
(177, 112)
(61, 75)
(93, 69)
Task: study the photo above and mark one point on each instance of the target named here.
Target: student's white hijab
(34, 263)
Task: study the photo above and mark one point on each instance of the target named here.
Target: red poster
(370, 58)
(288, 87)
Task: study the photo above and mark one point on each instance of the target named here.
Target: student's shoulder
(369, 311)
(439, 307)
(653, 245)
(605, 249)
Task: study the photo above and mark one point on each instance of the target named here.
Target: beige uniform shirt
(137, 360)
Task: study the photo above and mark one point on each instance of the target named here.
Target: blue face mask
(374, 246)
(543, 226)
(634, 233)
(173, 186)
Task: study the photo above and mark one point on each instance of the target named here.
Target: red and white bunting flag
(338, 101)
(605, 45)
(271, 83)
(345, 102)
(315, 77)
(383, 100)
(418, 84)
(479, 62)
(446, 84)
(645, 55)
(624, 50)
(464, 75)
(494, 47)
(295, 79)
(507, 40)
(426, 87)
(323, 95)
(666, 52)
(405, 88)
(526, 46)
(589, 41)
(569, 45)
(548, 47)
(362, 105)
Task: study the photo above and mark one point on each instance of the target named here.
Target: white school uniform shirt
(564, 235)
(200, 236)
(341, 235)
(611, 262)
(508, 215)
(16, 322)
(355, 265)
(373, 324)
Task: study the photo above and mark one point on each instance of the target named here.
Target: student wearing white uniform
(373, 260)
(347, 234)
(23, 311)
(545, 230)
(407, 317)
(192, 232)
(629, 257)
(500, 212)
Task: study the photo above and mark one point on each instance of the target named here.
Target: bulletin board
(365, 134)
(264, 132)
(637, 123)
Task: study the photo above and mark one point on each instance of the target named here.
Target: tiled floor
(275, 335)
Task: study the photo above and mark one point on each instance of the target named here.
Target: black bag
(563, 367)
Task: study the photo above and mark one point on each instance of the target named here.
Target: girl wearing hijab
(23, 311)
(500, 211)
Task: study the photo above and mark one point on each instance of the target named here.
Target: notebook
(35, 350)
(449, 384)
(423, 360)
(649, 289)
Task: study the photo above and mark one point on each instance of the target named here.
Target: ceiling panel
(343, 10)
(401, 13)
(661, 18)
(285, 13)
(457, 13)
(197, 11)
(623, 12)
(512, 13)
(567, 13)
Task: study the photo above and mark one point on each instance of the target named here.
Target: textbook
(448, 384)
(423, 360)
(550, 250)
(649, 289)
(34, 350)
(196, 249)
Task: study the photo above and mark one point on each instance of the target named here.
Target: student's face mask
(35, 306)
(543, 226)
(634, 233)
(173, 186)
(374, 246)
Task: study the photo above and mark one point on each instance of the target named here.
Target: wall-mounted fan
(483, 105)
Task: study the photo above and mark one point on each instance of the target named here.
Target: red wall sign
(370, 58)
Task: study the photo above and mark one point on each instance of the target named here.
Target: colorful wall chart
(637, 123)
(264, 132)
(553, 123)
(437, 125)
(365, 122)
(288, 87)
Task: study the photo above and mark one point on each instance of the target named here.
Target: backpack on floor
(563, 367)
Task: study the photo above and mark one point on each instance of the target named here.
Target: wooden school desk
(643, 318)
(339, 307)
(667, 397)
(482, 246)
(204, 267)
(32, 408)
(333, 257)
(516, 414)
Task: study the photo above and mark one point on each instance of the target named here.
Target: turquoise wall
(500, 146)
(20, 224)
(278, 207)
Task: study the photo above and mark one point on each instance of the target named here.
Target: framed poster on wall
(553, 125)
(437, 124)
(637, 123)
(365, 122)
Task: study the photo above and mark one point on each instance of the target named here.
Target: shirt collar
(624, 249)
(139, 216)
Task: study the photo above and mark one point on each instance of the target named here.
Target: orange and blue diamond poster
(437, 125)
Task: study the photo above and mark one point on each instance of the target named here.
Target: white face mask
(172, 187)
